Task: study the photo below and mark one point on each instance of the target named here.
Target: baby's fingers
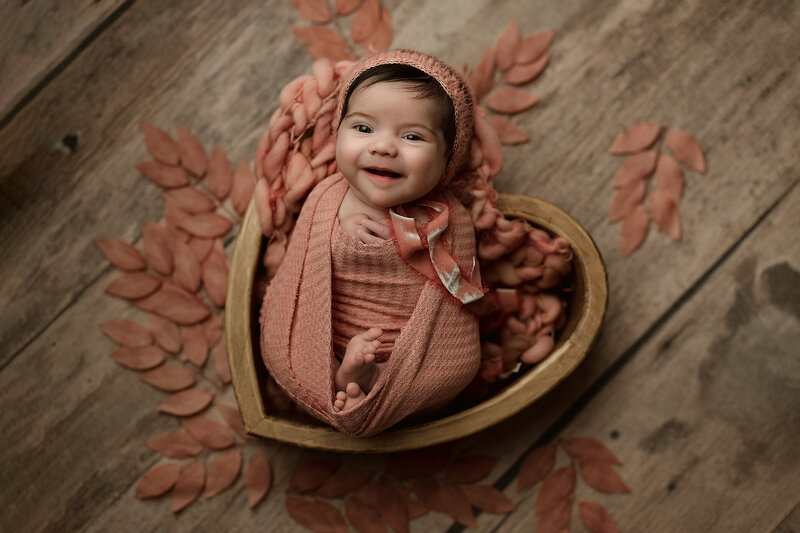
(378, 228)
(368, 238)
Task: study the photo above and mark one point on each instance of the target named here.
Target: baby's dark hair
(423, 84)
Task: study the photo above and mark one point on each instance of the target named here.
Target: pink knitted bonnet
(451, 81)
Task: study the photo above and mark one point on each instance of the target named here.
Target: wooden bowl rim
(536, 382)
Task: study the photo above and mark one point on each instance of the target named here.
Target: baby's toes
(353, 390)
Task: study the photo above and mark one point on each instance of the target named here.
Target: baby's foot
(351, 397)
(358, 364)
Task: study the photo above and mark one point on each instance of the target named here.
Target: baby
(382, 258)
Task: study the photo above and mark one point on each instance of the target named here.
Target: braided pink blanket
(435, 356)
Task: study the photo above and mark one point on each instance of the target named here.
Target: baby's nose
(383, 146)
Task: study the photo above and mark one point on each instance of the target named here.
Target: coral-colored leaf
(471, 468)
(221, 363)
(506, 44)
(201, 247)
(193, 156)
(603, 477)
(243, 186)
(531, 47)
(665, 213)
(686, 149)
(510, 100)
(482, 78)
(555, 518)
(206, 225)
(187, 267)
(345, 7)
(189, 485)
(536, 466)
(312, 474)
(452, 501)
(589, 450)
(165, 332)
(635, 168)
(418, 463)
(489, 499)
(507, 131)
(209, 432)
(174, 216)
(156, 247)
(318, 516)
(175, 445)
(233, 419)
(519, 74)
(558, 486)
(195, 350)
(596, 518)
(186, 403)
(121, 254)
(635, 139)
(380, 39)
(175, 304)
(220, 176)
(158, 480)
(215, 277)
(323, 42)
(223, 472)
(364, 519)
(626, 199)
(212, 330)
(160, 144)
(169, 378)
(634, 230)
(190, 200)
(127, 333)
(669, 177)
(344, 482)
(133, 285)
(365, 20)
(388, 501)
(142, 358)
(166, 176)
(313, 10)
(415, 508)
(257, 478)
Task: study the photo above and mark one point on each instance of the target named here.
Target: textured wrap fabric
(370, 288)
(435, 356)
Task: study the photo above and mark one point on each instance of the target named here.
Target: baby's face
(390, 146)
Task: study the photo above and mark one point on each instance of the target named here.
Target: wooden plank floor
(694, 383)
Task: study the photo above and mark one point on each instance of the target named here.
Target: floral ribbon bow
(417, 230)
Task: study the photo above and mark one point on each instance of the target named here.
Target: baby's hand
(365, 229)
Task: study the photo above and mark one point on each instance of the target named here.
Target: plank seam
(64, 63)
(572, 412)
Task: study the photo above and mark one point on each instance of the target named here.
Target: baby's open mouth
(383, 172)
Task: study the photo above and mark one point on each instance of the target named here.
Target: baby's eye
(362, 128)
(412, 137)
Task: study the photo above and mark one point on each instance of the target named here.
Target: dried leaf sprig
(411, 485)
(553, 506)
(179, 276)
(630, 181)
(370, 26)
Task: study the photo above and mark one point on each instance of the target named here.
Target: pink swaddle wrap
(435, 356)
(435, 352)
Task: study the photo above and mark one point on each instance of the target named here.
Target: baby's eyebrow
(359, 113)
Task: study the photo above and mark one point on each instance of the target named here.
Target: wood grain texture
(36, 37)
(73, 438)
(707, 414)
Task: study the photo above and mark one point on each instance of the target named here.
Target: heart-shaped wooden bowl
(585, 315)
